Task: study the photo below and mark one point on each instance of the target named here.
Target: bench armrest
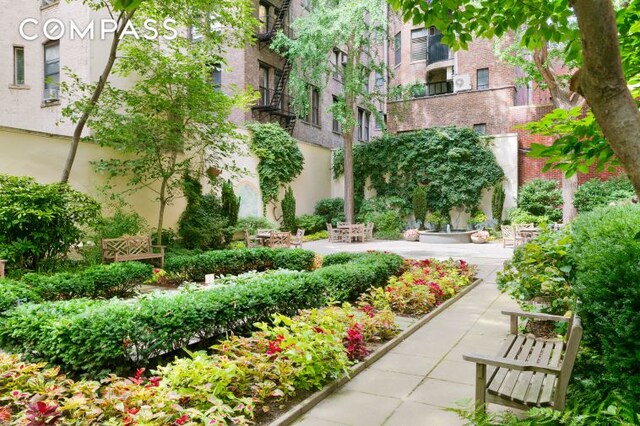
(159, 247)
(533, 315)
(511, 364)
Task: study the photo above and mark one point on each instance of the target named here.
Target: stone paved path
(412, 384)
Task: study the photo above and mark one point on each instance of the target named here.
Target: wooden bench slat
(533, 396)
(501, 373)
(524, 379)
(512, 375)
(550, 381)
(504, 350)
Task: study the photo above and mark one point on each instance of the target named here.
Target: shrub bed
(94, 337)
(235, 262)
(243, 377)
(14, 293)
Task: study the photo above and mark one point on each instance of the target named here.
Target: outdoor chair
(335, 235)
(251, 241)
(368, 232)
(509, 236)
(279, 240)
(340, 224)
(354, 232)
(297, 240)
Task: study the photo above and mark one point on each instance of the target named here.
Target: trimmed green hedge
(96, 337)
(14, 293)
(121, 279)
(606, 253)
(234, 262)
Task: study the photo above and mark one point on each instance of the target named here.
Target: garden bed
(241, 379)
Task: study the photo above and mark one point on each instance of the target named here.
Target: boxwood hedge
(95, 337)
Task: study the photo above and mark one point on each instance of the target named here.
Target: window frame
(483, 86)
(16, 81)
(314, 111)
(335, 124)
(364, 126)
(415, 41)
(263, 83)
(480, 128)
(397, 48)
(47, 63)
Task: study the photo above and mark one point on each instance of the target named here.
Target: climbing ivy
(453, 164)
(281, 160)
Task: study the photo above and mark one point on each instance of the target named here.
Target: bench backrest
(125, 246)
(570, 354)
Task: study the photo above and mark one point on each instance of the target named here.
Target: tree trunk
(82, 122)
(349, 205)
(602, 83)
(569, 188)
(163, 205)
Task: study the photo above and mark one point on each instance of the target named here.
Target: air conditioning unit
(461, 83)
(51, 94)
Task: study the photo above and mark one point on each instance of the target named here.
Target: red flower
(354, 343)
(133, 411)
(319, 330)
(369, 310)
(420, 281)
(155, 381)
(274, 345)
(182, 420)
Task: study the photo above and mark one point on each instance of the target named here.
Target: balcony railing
(437, 51)
(439, 88)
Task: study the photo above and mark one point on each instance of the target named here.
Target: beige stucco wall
(42, 157)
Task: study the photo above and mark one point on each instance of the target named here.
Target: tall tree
(355, 32)
(549, 69)
(171, 123)
(593, 44)
(233, 15)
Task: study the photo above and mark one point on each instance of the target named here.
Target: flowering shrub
(159, 277)
(424, 285)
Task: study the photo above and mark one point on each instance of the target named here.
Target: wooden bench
(131, 248)
(528, 372)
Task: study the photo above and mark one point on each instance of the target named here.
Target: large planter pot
(479, 239)
(411, 235)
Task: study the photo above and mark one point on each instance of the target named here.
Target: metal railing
(283, 107)
(439, 88)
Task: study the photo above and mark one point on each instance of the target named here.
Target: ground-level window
(480, 128)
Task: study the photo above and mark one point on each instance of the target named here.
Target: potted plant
(411, 235)
(480, 237)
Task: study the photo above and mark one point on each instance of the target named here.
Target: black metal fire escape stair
(278, 104)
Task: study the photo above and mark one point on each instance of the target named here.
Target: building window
(263, 18)
(381, 120)
(18, 66)
(339, 60)
(315, 107)
(379, 80)
(216, 77)
(264, 85)
(419, 44)
(46, 3)
(335, 126)
(397, 46)
(480, 128)
(483, 78)
(364, 117)
(51, 70)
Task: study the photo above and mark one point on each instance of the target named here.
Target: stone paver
(415, 382)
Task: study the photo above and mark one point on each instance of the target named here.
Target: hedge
(95, 337)
(14, 293)
(234, 262)
(121, 279)
(606, 253)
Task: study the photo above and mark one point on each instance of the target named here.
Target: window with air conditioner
(482, 78)
(18, 66)
(51, 71)
(419, 44)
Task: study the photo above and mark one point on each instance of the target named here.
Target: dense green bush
(230, 204)
(541, 197)
(234, 262)
(39, 223)
(542, 271)
(14, 293)
(94, 337)
(518, 215)
(311, 223)
(202, 224)
(253, 223)
(597, 193)
(331, 209)
(606, 253)
(289, 211)
(121, 279)
(387, 215)
(497, 201)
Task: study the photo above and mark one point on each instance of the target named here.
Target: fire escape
(275, 105)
